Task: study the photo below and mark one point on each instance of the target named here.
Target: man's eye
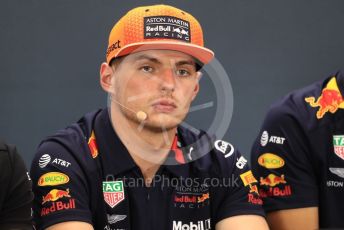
(183, 73)
(147, 69)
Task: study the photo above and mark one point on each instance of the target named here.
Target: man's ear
(196, 89)
(106, 74)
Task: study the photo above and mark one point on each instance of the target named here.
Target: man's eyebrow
(147, 57)
(186, 62)
(155, 60)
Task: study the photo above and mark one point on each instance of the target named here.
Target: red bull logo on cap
(55, 194)
(330, 99)
(272, 180)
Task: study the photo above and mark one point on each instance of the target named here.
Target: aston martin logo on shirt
(112, 219)
(338, 171)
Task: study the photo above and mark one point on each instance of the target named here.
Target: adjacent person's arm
(281, 159)
(16, 194)
(61, 191)
(290, 219)
(243, 222)
(71, 225)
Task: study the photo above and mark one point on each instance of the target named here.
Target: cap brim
(202, 54)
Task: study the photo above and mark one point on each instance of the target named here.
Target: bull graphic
(329, 101)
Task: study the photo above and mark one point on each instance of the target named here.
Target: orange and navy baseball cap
(160, 27)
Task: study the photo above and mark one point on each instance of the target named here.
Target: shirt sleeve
(17, 196)
(281, 160)
(60, 187)
(237, 193)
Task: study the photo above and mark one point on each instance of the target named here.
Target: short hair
(116, 61)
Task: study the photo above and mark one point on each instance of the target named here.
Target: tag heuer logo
(113, 192)
(338, 145)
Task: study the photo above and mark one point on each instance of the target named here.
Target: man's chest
(169, 203)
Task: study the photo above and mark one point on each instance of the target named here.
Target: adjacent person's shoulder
(9, 156)
(2, 145)
(4, 155)
(71, 141)
(295, 108)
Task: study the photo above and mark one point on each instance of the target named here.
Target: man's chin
(160, 126)
(157, 121)
(162, 122)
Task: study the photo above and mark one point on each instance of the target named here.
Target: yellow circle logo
(53, 178)
(270, 161)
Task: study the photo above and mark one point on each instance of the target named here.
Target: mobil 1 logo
(166, 27)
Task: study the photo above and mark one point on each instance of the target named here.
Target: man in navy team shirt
(299, 157)
(131, 166)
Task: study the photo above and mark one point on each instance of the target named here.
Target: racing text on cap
(166, 27)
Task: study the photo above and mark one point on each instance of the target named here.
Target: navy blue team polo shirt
(298, 156)
(84, 173)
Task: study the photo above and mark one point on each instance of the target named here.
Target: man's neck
(148, 148)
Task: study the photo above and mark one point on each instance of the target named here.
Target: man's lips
(164, 105)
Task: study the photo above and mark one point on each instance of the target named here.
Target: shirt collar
(115, 154)
(194, 147)
(176, 160)
(119, 160)
(117, 157)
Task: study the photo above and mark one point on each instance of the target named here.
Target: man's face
(161, 83)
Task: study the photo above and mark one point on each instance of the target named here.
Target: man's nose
(168, 79)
